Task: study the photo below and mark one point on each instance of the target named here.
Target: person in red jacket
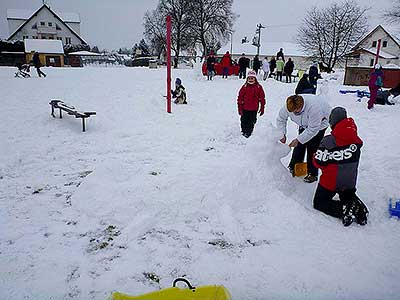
(337, 157)
(226, 63)
(251, 100)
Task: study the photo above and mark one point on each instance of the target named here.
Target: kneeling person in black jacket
(337, 157)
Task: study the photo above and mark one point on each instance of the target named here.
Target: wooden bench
(71, 110)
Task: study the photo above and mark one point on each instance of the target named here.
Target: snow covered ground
(144, 197)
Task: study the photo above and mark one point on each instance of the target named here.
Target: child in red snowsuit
(251, 100)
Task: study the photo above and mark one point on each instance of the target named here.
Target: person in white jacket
(311, 113)
(265, 67)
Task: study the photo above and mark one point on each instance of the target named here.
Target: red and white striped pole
(168, 64)
(377, 51)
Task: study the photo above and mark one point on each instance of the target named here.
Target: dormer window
(384, 44)
(373, 44)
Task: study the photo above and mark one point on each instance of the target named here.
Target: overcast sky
(118, 23)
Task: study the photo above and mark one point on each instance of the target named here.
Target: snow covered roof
(391, 66)
(45, 6)
(395, 34)
(25, 14)
(382, 54)
(266, 49)
(84, 53)
(43, 46)
(395, 37)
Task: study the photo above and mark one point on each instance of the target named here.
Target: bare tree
(393, 15)
(179, 12)
(328, 33)
(211, 20)
(155, 31)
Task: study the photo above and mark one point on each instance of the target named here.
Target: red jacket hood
(345, 132)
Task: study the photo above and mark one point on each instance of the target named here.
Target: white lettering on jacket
(338, 155)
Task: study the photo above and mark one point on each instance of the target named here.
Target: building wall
(46, 31)
(44, 57)
(367, 58)
(391, 48)
(359, 76)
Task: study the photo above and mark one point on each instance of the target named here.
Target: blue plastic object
(359, 93)
(394, 211)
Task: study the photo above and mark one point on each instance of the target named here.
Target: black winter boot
(361, 212)
(348, 213)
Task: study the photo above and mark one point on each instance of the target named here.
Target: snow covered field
(144, 196)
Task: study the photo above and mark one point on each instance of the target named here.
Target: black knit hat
(337, 114)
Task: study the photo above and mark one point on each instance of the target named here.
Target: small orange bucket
(300, 169)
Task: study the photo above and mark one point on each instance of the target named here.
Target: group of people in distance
(268, 67)
(336, 155)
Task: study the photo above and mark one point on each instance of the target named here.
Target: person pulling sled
(23, 71)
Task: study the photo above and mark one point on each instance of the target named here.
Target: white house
(44, 23)
(364, 53)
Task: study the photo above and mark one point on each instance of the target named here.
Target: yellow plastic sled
(207, 292)
(300, 169)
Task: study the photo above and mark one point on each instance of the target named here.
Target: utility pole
(258, 31)
(377, 51)
(231, 40)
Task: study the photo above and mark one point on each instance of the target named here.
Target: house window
(371, 63)
(34, 26)
(58, 27)
(51, 38)
(59, 38)
(50, 24)
(25, 37)
(68, 40)
(373, 44)
(34, 37)
(42, 23)
(384, 44)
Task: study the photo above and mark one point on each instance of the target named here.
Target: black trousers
(279, 76)
(247, 121)
(242, 73)
(323, 201)
(40, 72)
(300, 150)
(288, 77)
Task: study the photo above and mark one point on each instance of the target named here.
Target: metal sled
(208, 292)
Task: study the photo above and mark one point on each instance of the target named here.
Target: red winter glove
(261, 111)
(240, 110)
